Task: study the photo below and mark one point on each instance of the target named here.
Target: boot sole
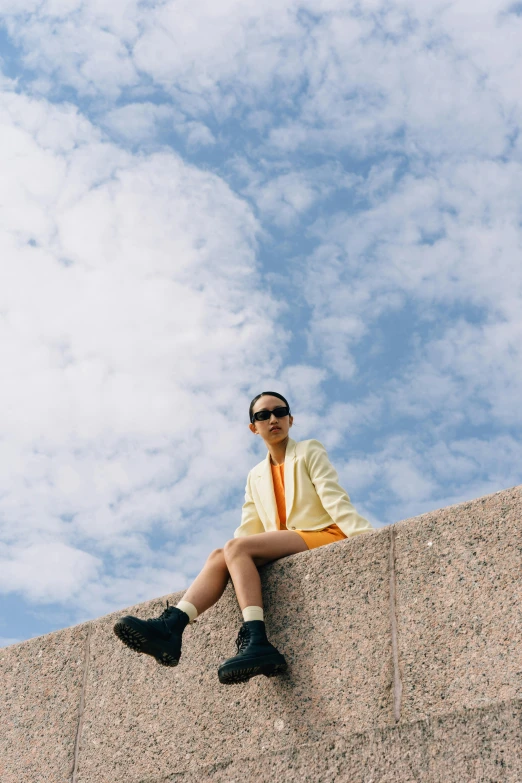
(135, 641)
(238, 674)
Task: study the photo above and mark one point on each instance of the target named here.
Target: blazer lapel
(289, 476)
(265, 487)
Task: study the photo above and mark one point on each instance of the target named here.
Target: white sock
(188, 608)
(253, 613)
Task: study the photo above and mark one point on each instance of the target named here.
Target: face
(272, 430)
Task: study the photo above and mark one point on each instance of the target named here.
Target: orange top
(278, 477)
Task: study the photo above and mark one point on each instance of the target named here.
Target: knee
(232, 547)
(217, 554)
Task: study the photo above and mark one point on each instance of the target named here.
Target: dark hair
(272, 394)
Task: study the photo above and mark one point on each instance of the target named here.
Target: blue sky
(200, 200)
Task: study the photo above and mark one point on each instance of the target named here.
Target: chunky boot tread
(159, 637)
(233, 676)
(168, 660)
(272, 658)
(129, 637)
(255, 656)
(275, 670)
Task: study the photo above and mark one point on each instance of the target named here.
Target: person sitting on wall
(293, 502)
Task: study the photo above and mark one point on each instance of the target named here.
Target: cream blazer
(314, 498)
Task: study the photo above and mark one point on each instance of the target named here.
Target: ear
(291, 418)
(252, 428)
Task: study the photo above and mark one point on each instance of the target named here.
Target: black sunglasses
(283, 410)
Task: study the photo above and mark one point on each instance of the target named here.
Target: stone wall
(405, 664)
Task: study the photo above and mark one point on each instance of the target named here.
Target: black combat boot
(255, 656)
(159, 637)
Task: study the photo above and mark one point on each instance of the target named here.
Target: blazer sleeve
(333, 497)
(250, 520)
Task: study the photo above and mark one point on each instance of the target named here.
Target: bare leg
(209, 585)
(244, 555)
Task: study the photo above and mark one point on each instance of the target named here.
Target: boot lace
(242, 638)
(166, 613)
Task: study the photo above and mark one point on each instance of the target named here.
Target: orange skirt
(315, 538)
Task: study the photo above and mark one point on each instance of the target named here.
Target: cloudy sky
(201, 199)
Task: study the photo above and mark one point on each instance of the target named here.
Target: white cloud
(358, 474)
(367, 71)
(136, 322)
(413, 473)
(450, 237)
(129, 305)
(284, 198)
(137, 121)
(47, 571)
(198, 134)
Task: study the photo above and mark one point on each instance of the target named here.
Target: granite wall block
(470, 746)
(459, 605)
(327, 610)
(42, 683)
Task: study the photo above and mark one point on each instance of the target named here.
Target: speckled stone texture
(39, 706)
(459, 605)
(475, 746)
(456, 653)
(327, 610)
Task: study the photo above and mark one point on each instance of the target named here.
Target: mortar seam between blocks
(81, 708)
(397, 682)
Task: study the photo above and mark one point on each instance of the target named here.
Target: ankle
(253, 613)
(189, 609)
